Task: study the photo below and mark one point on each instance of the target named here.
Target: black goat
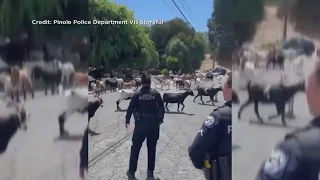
(235, 97)
(76, 102)
(9, 124)
(275, 58)
(137, 82)
(179, 83)
(278, 94)
(93, 106)
(96, 73)
(211, 92)
(111, 83)
(176, 98)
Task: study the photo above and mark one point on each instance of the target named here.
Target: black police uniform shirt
(146, 101)
(296, 158)
(213, 137)
(84, 151)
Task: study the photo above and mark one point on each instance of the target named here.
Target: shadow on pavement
(93, 133)
(235, 147)
(170, 112)
(76, 137)
(273, 124)
(120, 110)
(167, 112)
(207, 104)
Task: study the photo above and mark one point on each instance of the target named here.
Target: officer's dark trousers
(139, 135)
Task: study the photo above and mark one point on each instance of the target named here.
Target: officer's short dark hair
(229, 80)
(145, 78)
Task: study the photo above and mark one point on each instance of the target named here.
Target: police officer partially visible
(298, 156)
(84, 155)
(148, 110)
(213, 142)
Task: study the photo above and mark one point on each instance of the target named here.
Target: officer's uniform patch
(209, 122)
(276, 163)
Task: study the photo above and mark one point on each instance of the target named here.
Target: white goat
(175, 80)
(197, 82)
(124, 94)
(157, 83)
(298, 65)
(75, 100)
(120, 82)
(167, 83)
(94, 87)
(98, 87)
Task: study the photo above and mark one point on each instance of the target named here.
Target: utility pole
(286, 5)
(285, 25)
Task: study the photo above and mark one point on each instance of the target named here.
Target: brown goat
(21, 82)
(81, 79)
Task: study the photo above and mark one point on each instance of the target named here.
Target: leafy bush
(164, 71)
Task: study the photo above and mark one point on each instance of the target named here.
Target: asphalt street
(254, 141)
(109, 152)
(39, 153)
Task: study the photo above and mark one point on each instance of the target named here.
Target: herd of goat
(127, 89)
(18, 80)
(76, 98)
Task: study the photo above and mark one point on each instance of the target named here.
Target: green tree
(302, 14)
(16, 17)
(176, 48)
(227, 29)
(205, 37)
(164, 72)
(114, 45)
(172, 63)
(246, 14)
(196, 45)
(162, 33)
(221, 28)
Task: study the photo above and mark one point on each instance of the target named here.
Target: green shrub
(165, 72)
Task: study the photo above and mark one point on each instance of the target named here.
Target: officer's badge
(209, 122)
(276, 163)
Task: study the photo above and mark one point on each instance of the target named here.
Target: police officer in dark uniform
(148, 109)
(211, 149)
(84, 155)
(298, 156)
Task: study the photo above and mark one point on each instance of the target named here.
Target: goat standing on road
(93, 106)
(176, 98)
(211, 92)
(235, 97)
(50, 77)
(279, 95)
(124, 94)
(21, 82)
(76, 101)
